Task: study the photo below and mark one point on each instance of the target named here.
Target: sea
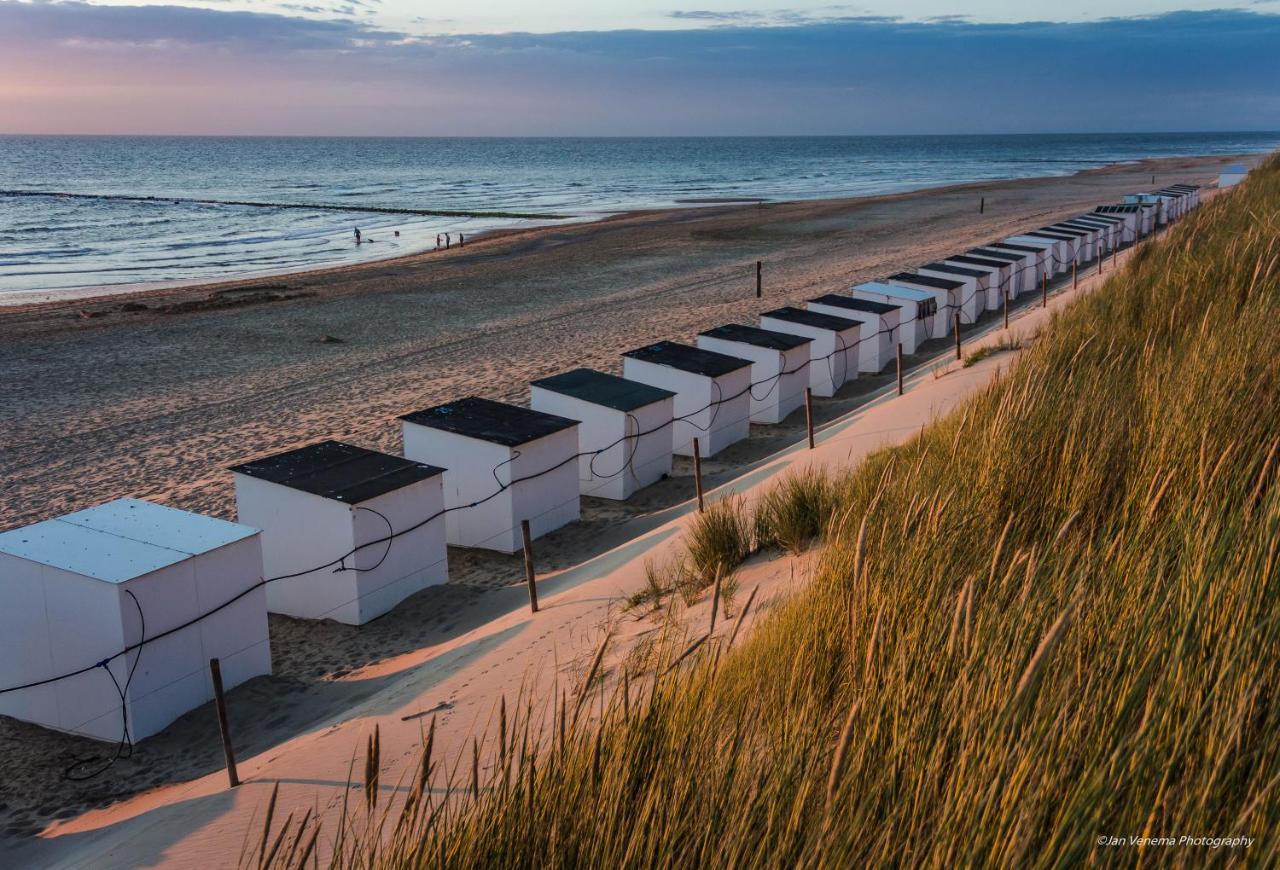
(88, 212)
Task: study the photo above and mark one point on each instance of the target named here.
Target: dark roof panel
(870, 306)
(1006, 257)
(1030, 249)
(927, 281)
(812, 318)
(757, 337)
(979, 261)
(689, 359)
(487, 420)
(1057, 237)
(338, 471)
(600, 388)
(954, 270)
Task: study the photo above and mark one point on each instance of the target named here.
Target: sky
(572, 67)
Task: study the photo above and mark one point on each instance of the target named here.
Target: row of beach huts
(149, 594)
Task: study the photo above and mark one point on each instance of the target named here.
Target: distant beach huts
(624, 428)
(83, 587)
(503, 464)
(1036, 259)
(833, 353)
(948, 295)
(918, 309)
(779, 366)
(1021, 267)
(1232, 175)
(329, 500)
(999, 277)
(713, 395)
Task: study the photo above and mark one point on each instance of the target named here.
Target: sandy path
(459, 679)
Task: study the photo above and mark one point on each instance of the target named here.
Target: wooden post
(957, 328)
(899, 368)
(1075, 278)
(1044, 291)
(697, 471)
(220, 702)
(529, 576)
(1006, 309)
(982, 205)
(808, 414)
(759, 281)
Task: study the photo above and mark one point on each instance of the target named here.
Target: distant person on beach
(461, 239)
(437, 240)
(357, 235)
(446, 241)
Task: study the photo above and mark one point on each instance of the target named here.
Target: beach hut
(624, 428)
(833, 353)
(1191, 190)
(973, 298)
(1057, 252)
(712, 392)
(1142, 215)
(1110, 230)
(1160, 204)
(1020, 267)
(947, 293)
(1088, 239)
(80, 589)
(503, 464)
(879, 326)
(1000, 280)
(1232, 175)
(1130, 214)
(1075, 244)
(331, 501)
(917, 310)
(779, 366)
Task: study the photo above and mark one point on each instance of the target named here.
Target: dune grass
(1052, 617)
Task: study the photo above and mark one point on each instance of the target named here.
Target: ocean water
(153, 210)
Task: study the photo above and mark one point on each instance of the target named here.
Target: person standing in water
(357, 235)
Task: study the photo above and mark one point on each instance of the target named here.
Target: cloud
(73, 66)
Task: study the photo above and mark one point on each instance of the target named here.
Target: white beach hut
(1025, 261)
(1158, 204)
(973, 299)
(330, 500)
(999, 282)
(1130, 214)
(1074, 245)
(833, 353)
(1232, 175)
(917, 310)
(82, 588)
(1192, 191)
(946, 292)
(503, 464)
(1037, 262)
(1057, 252)
(624, 428)
(779, 366)
(1088, 239)
(879, 326)
(713, 392)
(1019, 267)
(1108, 230)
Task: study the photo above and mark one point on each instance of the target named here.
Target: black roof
(1059, 229)
(1004, 256)
(812, 318)
(487, 420)
(689, 359)
(1030, 249)
(835, 300)
(338, 471)
(1122, 208)
(927, 281)
(954, 270)
(1087, 225)
(1094, 218)
(757, 337)
(1189, 188)
(600, 388)
(978, 261)
(1060, 237)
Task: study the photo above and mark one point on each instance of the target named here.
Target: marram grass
(1053, 617)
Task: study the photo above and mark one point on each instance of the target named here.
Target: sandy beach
(154, 394)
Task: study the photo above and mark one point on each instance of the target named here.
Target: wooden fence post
(529, 576)
(697, 471)
(759, 279)
(808, 414)
(1044, 291)
(899, 368)
(956, 323)
(220, 702)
